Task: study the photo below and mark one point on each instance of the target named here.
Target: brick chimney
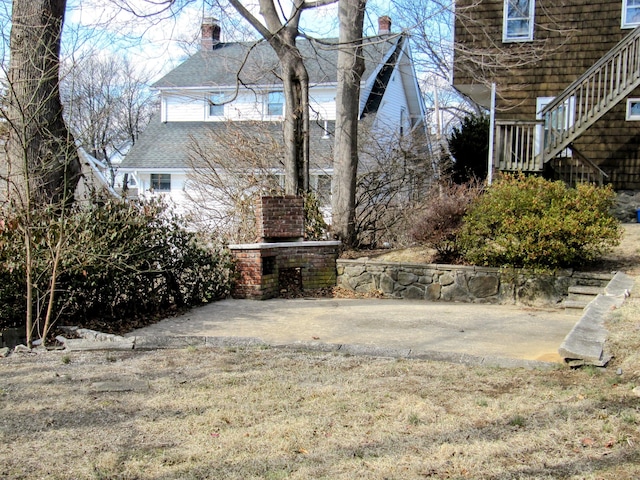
(384, 25)
(210, 33)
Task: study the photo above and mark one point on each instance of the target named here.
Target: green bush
(119, 260)
(531, 222)
(469, 146)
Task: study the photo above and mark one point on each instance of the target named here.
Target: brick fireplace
(281, 260)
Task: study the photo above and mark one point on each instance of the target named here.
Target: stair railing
(586, 100)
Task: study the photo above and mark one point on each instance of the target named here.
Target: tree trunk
(42, 160)
(345, 161)
(295, 80)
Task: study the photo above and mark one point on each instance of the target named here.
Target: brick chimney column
(210, 33)
(384, 25)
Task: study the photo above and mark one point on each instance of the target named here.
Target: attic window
(518, 20)
(630, 13)
(216, 106)
(275, 103)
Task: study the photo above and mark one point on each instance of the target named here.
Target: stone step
(586, 290)
(575, 304)
(579, 297)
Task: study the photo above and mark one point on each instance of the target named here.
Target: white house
(236, 85)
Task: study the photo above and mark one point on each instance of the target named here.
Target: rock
(4, 352)
(433, 292)
(484, 286)
(22, 349)
(636, 391)
(387, 285)
(413, 293)
(406, 278)
(446, 279)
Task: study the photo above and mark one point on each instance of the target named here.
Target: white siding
(193, 106)
(322, 101)
(394, 102)
(184, 107)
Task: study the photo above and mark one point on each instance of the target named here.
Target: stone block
(387, 285)
(407, 278)
(483, 286)
(446, 279)
(433, 292)
(413, 293)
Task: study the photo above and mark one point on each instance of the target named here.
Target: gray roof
(258, 64)
(172, 144)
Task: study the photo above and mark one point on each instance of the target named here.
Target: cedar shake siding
(569, 37)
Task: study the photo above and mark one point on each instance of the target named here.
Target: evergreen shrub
(527, 221)
(119, 260)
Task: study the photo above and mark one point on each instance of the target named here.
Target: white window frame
(627, 7)
(215, 97)
(542, 102)
(633, 104)
(506, 38)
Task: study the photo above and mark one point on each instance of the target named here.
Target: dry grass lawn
(276, 414)
(280, 414)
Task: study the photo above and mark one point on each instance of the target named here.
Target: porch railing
(592, 95)
(516, 146)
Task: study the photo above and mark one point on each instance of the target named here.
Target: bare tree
(350, 69)
(229, 167)
(281, 31)
(107, 104)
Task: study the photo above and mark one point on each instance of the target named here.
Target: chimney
(384, 25)
(210, 33)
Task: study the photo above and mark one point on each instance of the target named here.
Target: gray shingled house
(234, 87)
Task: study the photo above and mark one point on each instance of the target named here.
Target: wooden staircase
(570, 114)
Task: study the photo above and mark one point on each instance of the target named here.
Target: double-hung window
(518, 20)
(630, 13)
(275, 103)
(161, 182)
(216, 105)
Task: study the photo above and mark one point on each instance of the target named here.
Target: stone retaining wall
(457, 283)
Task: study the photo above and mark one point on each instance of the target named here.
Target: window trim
(632, 117)
(625, 9)
(505, 21)
(161, 185)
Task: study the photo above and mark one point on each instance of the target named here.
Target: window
(633, 109)
(216, 108)
(630, 13)
(161, 182)
(518, 20)
(275, 102)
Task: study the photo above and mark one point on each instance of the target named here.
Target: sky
(160, 42)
